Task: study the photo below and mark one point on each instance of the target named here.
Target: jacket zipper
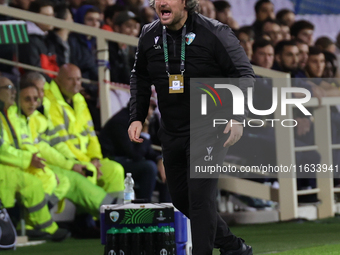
(174, 43)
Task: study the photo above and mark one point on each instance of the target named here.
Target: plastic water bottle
(129, 193)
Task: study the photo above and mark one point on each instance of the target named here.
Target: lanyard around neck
(166, 53)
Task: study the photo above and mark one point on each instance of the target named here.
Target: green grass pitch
(292, 238)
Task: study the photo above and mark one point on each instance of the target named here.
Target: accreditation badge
(176, 83)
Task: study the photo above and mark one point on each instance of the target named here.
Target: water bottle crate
(145, 216)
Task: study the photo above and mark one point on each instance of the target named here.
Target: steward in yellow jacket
(14, 180)
(80, 191)
(72, 120)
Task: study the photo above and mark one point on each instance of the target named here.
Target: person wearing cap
(121, 56)
(181, 45)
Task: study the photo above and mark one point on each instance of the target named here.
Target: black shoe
(243, 250)
(60, 235)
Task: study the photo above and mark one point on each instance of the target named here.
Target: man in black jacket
(213, 52)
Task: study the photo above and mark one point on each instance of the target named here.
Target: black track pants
(196, 197)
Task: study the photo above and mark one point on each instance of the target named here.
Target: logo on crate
(114, 216)
(112, 252)
(163, 252)
(161, 218)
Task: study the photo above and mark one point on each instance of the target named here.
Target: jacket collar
(33, 29)
(189, 22)
(57, 93)
(54, 88)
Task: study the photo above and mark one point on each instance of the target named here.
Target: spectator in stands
(315, 69)
(59, 36)
(285, 30)
(207, 8)
(263, 53)
(272, 29)
(224, 14)
(246, 36)
(39, 52)
(303, 53)
(316, 63)
(139, 159)
(121, 55)
(303, 30)
(286, 57)
(83, 47)
(286, 16)
(264, 10)
(69, 110)
(324, 43)
(331, 65)
(287, 60)
(109, 15)
(74, 5)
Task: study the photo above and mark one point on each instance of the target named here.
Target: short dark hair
(221, 5)
(260, 43)
(331, 58)
(259, 4)
(269, 20)
(299, 41)
(281, 45)
(248, 30)
(35, 6)
(60, 11)
(282, 13)
(313, 51)
(323, 42)
(110, 10)
(93, 9)
(282, 23)
(300, 25)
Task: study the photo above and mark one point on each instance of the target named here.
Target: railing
(285, 148)
(102, 37)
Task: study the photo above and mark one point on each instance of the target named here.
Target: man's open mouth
(165, 13)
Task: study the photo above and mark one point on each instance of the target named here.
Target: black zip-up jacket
(214, 52)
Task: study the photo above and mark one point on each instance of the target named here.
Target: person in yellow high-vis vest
(80, 191)
(73, 122)
(16, 134)
(14, 180)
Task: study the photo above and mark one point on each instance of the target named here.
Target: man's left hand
(236, 131)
